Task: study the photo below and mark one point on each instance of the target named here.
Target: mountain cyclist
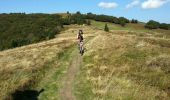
(80, 41)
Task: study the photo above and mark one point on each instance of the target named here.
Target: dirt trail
(66, 92)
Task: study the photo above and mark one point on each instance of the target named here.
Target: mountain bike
(81, 48)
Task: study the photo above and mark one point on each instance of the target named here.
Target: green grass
(123, 70)
(147, 66)
(52, 82)
(115, 67)
(112, 26)
(82, 87)
(131, 27)
(24, 79)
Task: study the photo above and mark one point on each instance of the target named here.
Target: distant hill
(18, 29)
(21, 29)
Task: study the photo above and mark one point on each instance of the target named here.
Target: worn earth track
(66, 92)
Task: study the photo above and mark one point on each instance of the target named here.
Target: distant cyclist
(80, 41)
(80, 36)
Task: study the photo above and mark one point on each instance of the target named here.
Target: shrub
(106, 28)
(20, 42)
(88, 22)
(66, 21)
(78, 18)
(20, 29)
(164, 26)
(122, 23)
(134, 21)
(152, 24)
(122, 19)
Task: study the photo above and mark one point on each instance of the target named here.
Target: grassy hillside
(29, 67)
(140, 28)
(126, 67)
(21, 29)
(125, 63)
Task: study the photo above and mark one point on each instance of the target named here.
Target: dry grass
(23, 67)
(131, 28)
(126, 67)
(117, 65)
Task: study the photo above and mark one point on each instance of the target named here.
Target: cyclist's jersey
(80, 37)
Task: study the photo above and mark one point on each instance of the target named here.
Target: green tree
(122, 19)
(122, 23)
(18, 29)
(134, 21)
(88, 22)
(152, 24)
(78, 12)
(164, 26)
(106, 28)
(78, 18)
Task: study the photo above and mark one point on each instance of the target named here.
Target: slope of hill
(21, 29)
(21, 68)
(120, 64)
(139, 27)
(123, 66)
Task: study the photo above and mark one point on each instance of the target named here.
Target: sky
(143, 10)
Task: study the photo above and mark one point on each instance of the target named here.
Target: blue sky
(142, 10)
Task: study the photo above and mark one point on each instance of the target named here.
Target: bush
(16, 27)
(66, 21)
(102, 18)
(19, 42)
(134, 21)
(20, 29)
(106, 28)
(90, 16)
(78, 18)
(122, 23)
(122, 19)
(88, 22)
(164, 26)
(152, 24)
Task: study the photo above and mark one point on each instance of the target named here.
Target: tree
(78, 18)
(122, 19)
(18, 29)
(164, 26)
(152, 24)
(122, 23)
(78, 12)
(134, 21)
(88, 22)
(90, 16)
(66, 21)
(116, 21)
(19, 42)
(106, 28)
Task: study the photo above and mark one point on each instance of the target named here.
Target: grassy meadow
(131, 27)
(127, 63)
(22, 68)
(34, 66)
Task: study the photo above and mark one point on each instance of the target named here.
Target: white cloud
(150, 4)
(132, 4)
(107, 5)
